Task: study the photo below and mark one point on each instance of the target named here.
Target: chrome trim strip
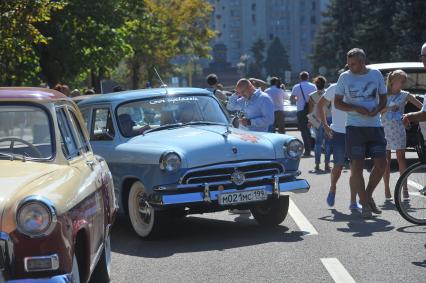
(96, 257)
(230, 165)
(206, 176)
(177, 187)
(284, 188)
(54, 259)
(44, 201)
(229, 175)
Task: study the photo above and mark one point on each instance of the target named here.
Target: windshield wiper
(164, 127)
(13, 156)
(204, 123)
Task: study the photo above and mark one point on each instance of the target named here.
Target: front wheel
(271, 212)
(146, 221)
(410, 194)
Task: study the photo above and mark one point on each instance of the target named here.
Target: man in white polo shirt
(337, 132)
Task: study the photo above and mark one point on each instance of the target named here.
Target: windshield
(136, 117)
(24, 132)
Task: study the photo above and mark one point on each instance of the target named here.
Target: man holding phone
(256, 105)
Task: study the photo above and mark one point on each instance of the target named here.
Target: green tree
(276, 62)
(258, 51)
(163, 29)
(83, 37)
(18, 35)
(336, 35)
(409, 26)
(372, 31)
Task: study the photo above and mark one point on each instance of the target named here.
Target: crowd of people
(359, 117)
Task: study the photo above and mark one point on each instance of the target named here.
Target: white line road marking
(300, 219)
(337, 270)
(415, 185)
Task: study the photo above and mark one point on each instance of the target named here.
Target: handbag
(314, 120)
(306, 107)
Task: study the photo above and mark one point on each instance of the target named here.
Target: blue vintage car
(173, 152)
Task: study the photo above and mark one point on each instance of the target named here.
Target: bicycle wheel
(410, 194)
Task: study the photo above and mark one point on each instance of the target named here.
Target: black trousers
(279, 125)
(302, 120)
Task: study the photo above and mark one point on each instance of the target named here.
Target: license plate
(242, 197)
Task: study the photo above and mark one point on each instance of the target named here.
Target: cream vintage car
(56, 199)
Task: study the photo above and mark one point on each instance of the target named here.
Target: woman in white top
(393, 125)
(320, 137)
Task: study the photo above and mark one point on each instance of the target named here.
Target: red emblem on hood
(247, 137)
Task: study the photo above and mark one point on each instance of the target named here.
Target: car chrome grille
(223, 172)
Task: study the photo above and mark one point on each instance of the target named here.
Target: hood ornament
(234, 150)
(238, 177)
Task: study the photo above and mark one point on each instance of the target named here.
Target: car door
(102, 131)
(78, 152)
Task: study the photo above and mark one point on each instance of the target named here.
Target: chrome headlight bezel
(170, 162)
(294, 148)
(38, 206)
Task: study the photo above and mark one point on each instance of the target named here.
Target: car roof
(31, 93)
(406, 66)
(143, 93)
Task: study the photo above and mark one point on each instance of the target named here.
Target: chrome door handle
(91, 163)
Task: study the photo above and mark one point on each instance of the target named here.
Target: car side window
(68, 142)
(102, 126)
(84, 143)
(85, 113)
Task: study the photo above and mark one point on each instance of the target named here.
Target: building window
(313, 20)
(253, 18)
(253, 6)
(314, 5)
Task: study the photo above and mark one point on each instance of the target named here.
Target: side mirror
(235, 122)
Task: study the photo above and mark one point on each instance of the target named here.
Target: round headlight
(170, 162)
(35, 218)
(294, 148)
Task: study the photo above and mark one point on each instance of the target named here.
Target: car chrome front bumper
(276, 186)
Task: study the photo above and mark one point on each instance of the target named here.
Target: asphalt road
(319, 244)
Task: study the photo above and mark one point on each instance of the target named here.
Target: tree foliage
(258, 52)
(170, 28)
(387, 30)
(276, 62)
(409, 23)
(67, 40)
(18, 37)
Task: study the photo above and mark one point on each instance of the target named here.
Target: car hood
(201, 145)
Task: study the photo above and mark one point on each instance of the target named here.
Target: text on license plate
(241, 197)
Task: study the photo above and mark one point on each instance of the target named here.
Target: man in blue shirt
(256, 105)
(361, 92)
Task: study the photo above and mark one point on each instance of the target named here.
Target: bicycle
(410, 190)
